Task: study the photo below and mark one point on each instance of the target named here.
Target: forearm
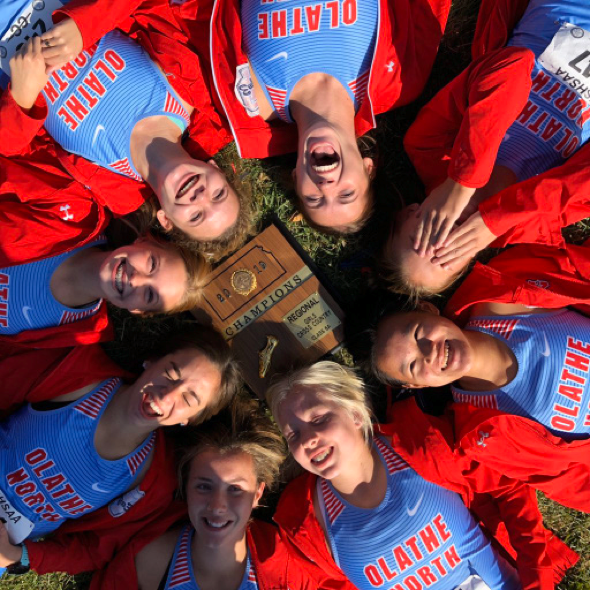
(19, 126)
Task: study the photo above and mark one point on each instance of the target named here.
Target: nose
(308, 438)
(428, 350)
(217, 502)
(171, 392)
(199, 192)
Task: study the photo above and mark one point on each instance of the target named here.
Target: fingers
(451, 259)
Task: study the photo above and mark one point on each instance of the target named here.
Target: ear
(428, 307)
(136, 311)
(358, 423)
(258, 495)
(370, 167)
(164, 221)
(294, 174)
(146, 365)
(213, 163)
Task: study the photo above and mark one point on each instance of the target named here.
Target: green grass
(340, 259)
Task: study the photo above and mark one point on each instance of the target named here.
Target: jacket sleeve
(458, 133)
(17, 127)
(90, 542)
(517, 507)
(535, 210)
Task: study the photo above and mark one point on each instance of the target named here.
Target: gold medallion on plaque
(243, 281)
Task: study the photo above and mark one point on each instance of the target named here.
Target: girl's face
(321, 435)
(196, 197)
(173, 389)
(144, 277)
(221, 492)
(422, 349)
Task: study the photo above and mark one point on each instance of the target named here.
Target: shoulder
(75, 395)
(503, 309)
(151, 562)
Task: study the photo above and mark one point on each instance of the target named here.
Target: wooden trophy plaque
(271, 308)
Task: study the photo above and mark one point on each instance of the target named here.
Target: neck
(76, 281)
(213, 564)
(154, 142)
(364, 483)
(319, 100)
(116, 436)
(494, 364)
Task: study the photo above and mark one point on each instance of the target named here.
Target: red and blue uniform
(181, 575)
(51, 471)
(29, 304)
(284, 44)
(419, 535)
(96, 100)
(553, 123)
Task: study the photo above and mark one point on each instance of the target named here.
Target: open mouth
(118, 282)
(187, 185)
(322, 457)
(445, 362)
(216, 525)
(324, 158)
(150, 407)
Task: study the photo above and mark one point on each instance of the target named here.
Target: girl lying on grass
(498, 136)
(380, 508)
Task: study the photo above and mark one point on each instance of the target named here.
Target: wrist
(24, 102)
(12, 555)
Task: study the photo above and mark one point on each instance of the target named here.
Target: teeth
(325, 168)
(187, 186)
(320, 458)
(119, 279)
(155, 408)
(446, 361)
(216, 525)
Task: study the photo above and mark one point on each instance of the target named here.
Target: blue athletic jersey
(553, 124)
(181, 575)
(95, 101)
(26, 301)
(285, 42)
(49, 468)
(421, 535)
(552, 382)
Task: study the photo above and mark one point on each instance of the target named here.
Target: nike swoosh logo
(98, 129)
(283, 54)
(412, 512)
(96, 488)
(547, 350)
(26, 310)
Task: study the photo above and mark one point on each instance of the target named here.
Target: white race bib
(567, 57)
(19, 527)
(33, 21)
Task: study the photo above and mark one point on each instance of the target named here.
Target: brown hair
(242, 427)
(212, 345)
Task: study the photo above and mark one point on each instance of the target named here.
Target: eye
(185, 398)
(219, 195)
(236, 490)
(203, 487)
(169, 376)
(291, 436)
(347, 195)
(197, 217)
(150, 296)
(412, 367)
(416, 334)
(312, 200)
(152, 264)
(320, 419)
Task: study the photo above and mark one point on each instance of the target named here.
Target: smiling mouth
(119, 286)
(150, 407)
(445, 362)
(324, 158)
(187, 185)
(322, 457)
(216, 525)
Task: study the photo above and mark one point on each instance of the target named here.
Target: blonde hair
(332, 381)
(241, 427)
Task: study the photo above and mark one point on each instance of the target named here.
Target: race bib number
(567, 57)
(33, 21)
(18, 526)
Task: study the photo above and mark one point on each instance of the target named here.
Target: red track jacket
(507, 508)
(407, 41)
(276, 566)
(89, 542)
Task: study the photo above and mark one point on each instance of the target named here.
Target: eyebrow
(230, 481)
(176, 369)
(405, 365)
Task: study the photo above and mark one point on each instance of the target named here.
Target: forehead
(231, 466)
(302, 401)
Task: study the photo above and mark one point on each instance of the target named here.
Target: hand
(438, 213)
(9, 553)
(464, 243)
(27, 74)
(61, 44)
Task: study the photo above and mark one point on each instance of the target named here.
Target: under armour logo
(390, 66)
(539, 283)
(482, 438)
(66, 210)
